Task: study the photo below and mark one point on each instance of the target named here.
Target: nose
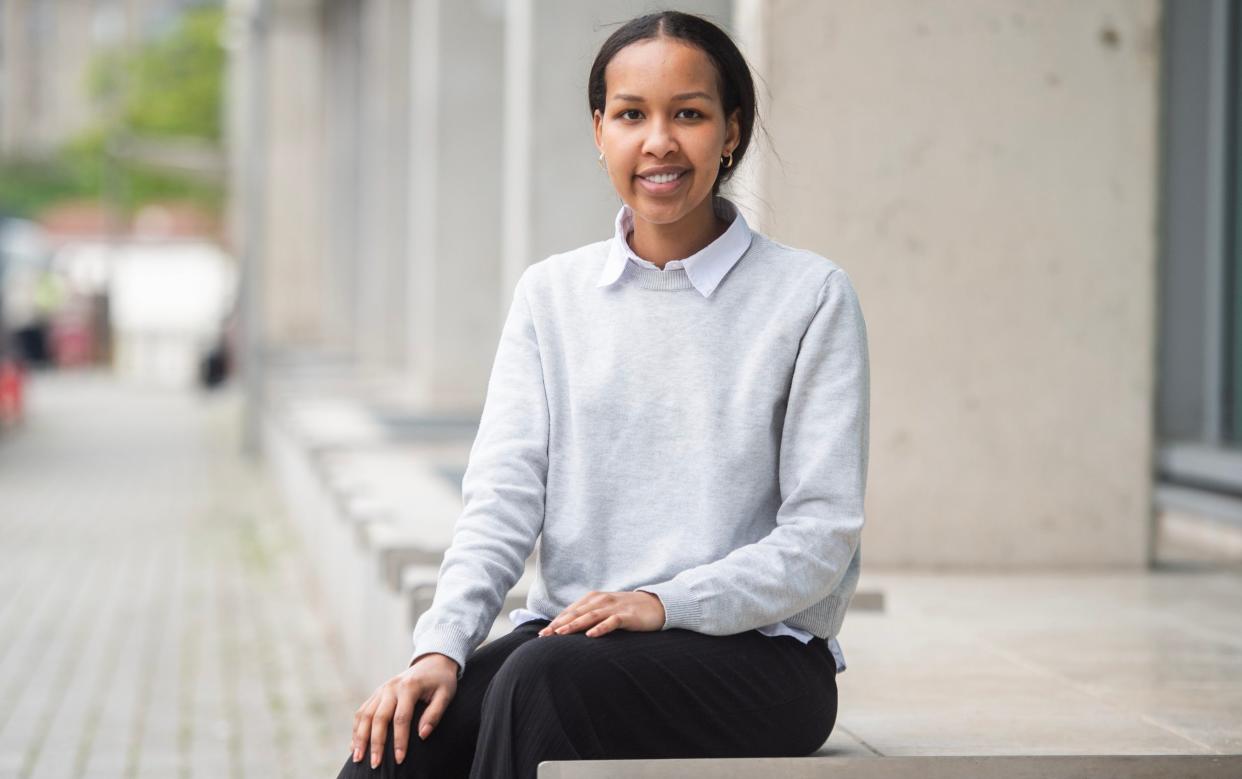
(659, 140)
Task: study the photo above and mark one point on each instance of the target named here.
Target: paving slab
(160, 619)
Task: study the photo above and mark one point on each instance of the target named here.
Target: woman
(679, 416)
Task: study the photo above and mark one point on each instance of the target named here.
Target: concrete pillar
(987, 174)
(380, 255)
(455, 162)
(292, 249)
(342, 149)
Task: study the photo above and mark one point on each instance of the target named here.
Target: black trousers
(524, 699)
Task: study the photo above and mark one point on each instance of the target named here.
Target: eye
(625, 114)
(696, 114)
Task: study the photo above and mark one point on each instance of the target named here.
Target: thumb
(434, 711)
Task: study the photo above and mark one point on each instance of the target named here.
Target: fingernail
(357, 754)
(424, 732)
(375, 759)
(400, 753)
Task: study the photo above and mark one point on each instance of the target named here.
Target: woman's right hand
(431, 677)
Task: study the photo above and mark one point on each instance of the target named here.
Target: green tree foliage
(167, 87)
(172, 84)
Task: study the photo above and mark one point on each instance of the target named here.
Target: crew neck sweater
(705, 269)
(710, 449)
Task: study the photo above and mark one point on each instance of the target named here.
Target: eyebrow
(682, 96)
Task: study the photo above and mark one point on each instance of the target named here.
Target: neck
(662, 243)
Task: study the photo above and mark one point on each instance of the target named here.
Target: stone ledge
(989, 767)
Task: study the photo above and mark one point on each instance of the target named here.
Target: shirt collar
(705, 268)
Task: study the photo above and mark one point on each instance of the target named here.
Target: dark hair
(737, 88)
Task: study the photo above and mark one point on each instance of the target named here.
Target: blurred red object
(11, 380)
(73, 340)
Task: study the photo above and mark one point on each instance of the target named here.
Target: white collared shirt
(705, 268)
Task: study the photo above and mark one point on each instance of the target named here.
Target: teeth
(663, 178)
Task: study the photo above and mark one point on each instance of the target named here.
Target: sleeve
(822, 473)
(503, 496)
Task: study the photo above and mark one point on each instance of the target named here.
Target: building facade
(1037, 202)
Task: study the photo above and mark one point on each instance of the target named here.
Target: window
(1199, 410)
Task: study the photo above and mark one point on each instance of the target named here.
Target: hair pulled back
(737, 87)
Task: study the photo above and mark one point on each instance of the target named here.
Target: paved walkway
(157, 618)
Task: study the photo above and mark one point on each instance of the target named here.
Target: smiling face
(663, 129)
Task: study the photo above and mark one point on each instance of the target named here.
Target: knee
(387, 767)
(545, 672)
(559, 659)
(420, 759)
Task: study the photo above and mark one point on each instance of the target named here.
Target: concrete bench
(932, 767)
(375, 509)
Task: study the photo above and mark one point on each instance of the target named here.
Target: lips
(659, 181)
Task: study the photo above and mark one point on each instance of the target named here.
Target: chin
(661, 216)
(660, 212)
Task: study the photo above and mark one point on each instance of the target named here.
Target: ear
(733, 130)
(598, 120)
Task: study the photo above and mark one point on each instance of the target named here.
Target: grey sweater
(709, 450)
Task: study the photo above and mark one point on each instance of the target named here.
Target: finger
(379, 727)
(567, 614)
(434, 712)
(557, 621)
(585, 621)
(570, 612)
(362, 727)
(607, 626)
(566, 618)
(403, 715)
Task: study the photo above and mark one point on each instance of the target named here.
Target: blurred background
(254, 260)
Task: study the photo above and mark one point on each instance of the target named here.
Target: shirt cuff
(447, 640)
(681, 608)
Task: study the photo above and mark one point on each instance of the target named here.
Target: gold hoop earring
(602, 165)
(727, 160)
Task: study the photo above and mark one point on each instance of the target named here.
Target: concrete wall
(985, 171)
(987, 174)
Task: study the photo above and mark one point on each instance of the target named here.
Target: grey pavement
(158, 618)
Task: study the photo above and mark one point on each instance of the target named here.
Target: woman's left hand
(603, 612)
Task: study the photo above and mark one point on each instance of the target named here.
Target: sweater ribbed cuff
(448, 640)
(681, 608)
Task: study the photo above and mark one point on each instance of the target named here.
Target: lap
(678, 693)
(673, 693)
